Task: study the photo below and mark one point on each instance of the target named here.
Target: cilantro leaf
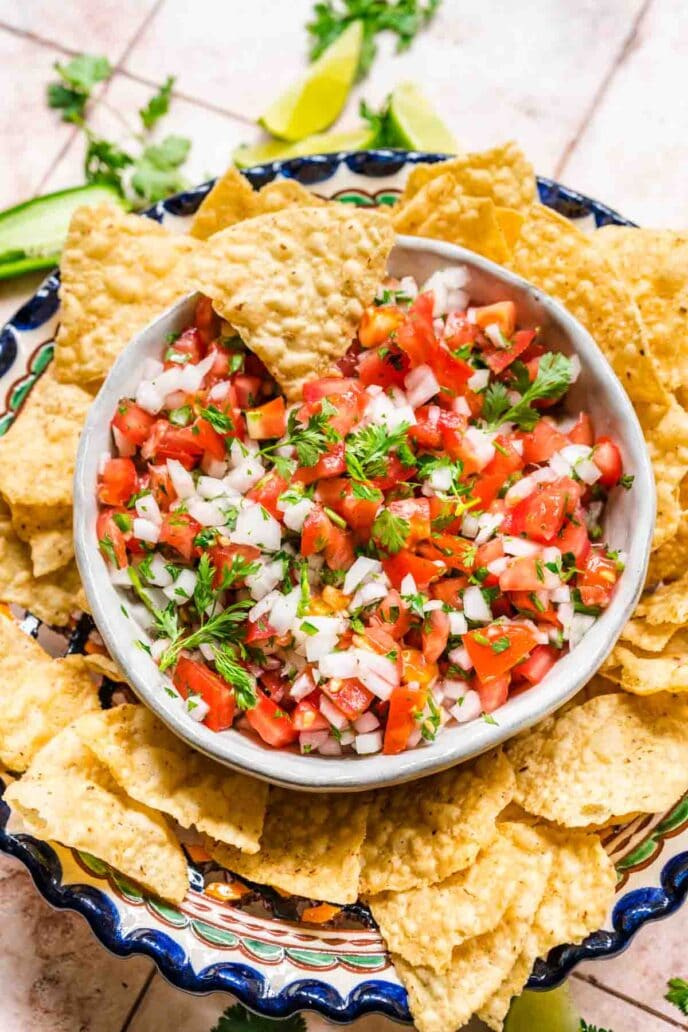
(223, 627)
(156, 170)
(391, 531)
(105, 162)
(312, 439)
(204, 595)
(368, 449)
(219, 421)
(243, 683)
(584, 1027)
(238, 1019)
(158, 105)
(405, 18)
(78, 76)
(678, 993)
(553, 378)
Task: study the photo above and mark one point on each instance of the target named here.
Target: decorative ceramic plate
(257, 950)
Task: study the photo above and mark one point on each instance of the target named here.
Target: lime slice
(320, 143)
(315, 100)
(553, 1011)
(414, 123)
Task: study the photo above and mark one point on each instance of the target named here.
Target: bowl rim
(349, 773)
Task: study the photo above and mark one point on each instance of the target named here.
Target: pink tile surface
(103, 27)
(611, 1014)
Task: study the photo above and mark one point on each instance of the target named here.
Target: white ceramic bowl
(628, 526)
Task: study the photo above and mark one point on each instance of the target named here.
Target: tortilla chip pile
(470, 874)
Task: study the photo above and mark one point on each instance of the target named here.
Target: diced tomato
(178, 531)
(405, 707)
(416, 512)
(458, 331)
(160, 483)
(327, 386)
(493, 477)
(208, 438)
(435, 634)
(222, 559)
(536, 605)
(497, 648)
(573, 537)
(111, 539)
(582, 431)
(450, 590)
(275, 686)
(348, 695)
(248, 390)
(443, 515)
(187, 349)
(377, 322)
(316, 532)
(267, 491)
(453, 428)
(307, 717)
(133, 422)
(607, 458)
(501, 313)
(397, 473)
(331, 464)
(220, 368)
(339, 550)
(499, 359)
(260, 630)
(458, 553)
(596, 582)
(270, 420)
(416, 334)
(541, 515)
(539, 662)
(422, 570)
(526, 574)
(345, 395)
(451, 372)
(194, 678)
(386, 366)
(172, 442)
(426, 431)
(493, 692)
(393, 615)
(118, 482)
(206, 320)
(542, 442)
(337, 494)
(273, 724)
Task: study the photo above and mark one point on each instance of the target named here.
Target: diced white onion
(498, 566)
(371, 742)
(146, 530)
(520, 546)
(151, 368)
(208, 514)
(520, 490)
(263, 606)
(339, 664)
(446, 286)
(295, 515)
(245, 476)
(408, 585)
(373, 591)
(479, 380)
(239, 451)
(474, 605)
(121, 578)
(210, 487)
(219, 391)
(255, 526)
(330, 747)
(562, 594)
(332, 713)
(159, 647)
(303, 685)
(461, 658)
(310, 741)
(125, 448)
(421, 385)
(588, 471)
(495, 336)
(551, 554)
(457, 624)
(441, 478)
(283, 612)
(147, 507)
(432, 604)
(380, 665)
(366, 722)
(470, 526)
(346, 737)
(453, 689)
(182, 481)
(579, 627)
(361, 570)
(460, 406)
(265, 579)
(488, 523)
(158, 572)
(481, 446)
(193, 375)
(469, 709)
(197, 708)
(575, 367)
(148, 398)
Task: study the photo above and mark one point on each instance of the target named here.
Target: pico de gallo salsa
(414, 542)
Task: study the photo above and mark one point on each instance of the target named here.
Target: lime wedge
(320, 143)
(415, 125)
(314, 101)
(553, 1011)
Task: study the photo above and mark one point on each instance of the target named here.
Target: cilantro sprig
(391, 531)
(367, 455)
(678, 993)
(311, 439)
(553, 378)
(243, 683)
(77, 79)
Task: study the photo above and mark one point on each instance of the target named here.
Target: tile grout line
(119, 70)
(138, 1000)
(601, 91)
(591, 980)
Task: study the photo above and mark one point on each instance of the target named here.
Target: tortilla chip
(310, 846)
(440, 1002)
(295, 284)
(156, 768)
(118, 273)
(667, 443)
(231, 200)
(668, 604)
(31, 521)
(670, 560)
(51, 550)
(424, 925)
(646, 673)
(68, 796)
(440, 212)
(564, 262)
(577, 897)
(614, 755)
(52, 598)
(101, 663)
(653, 263)
(39, 695)
(648, 637)
(285, 193)
(38, 453)
(502, 174)
(423, 836)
